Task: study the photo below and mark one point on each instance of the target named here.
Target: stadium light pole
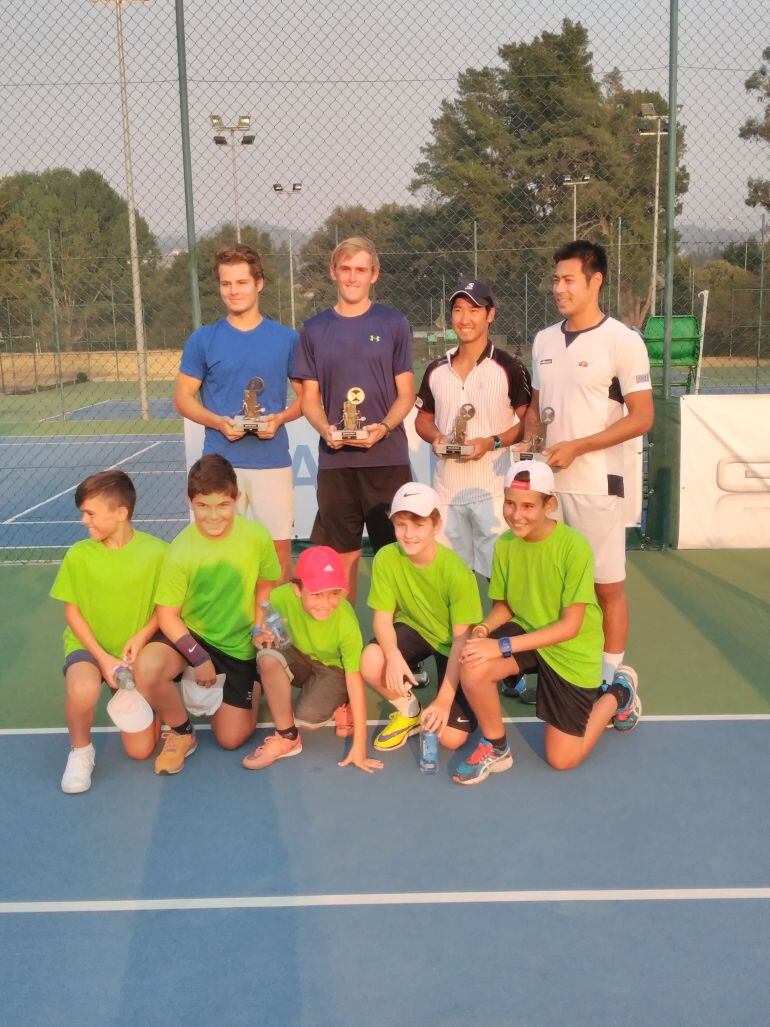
(647, 112)
(573, 183)
(247, 138)
(287, 192)
(141, 354)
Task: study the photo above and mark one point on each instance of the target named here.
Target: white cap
(200, 701)
(415, 498)
(540, 477)
(129, 711)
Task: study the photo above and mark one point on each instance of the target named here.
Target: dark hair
(240, 254)
(591, 255)
(522, 476)
(212, 473)
(115, 486)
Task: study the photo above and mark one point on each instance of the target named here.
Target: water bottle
(429, 752)
(124, 677)
(276, 625)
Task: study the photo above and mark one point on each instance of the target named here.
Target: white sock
(409, 705)
(610, 663)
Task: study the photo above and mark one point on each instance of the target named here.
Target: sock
(498, 743)
(183, 729)
(288, 732)
(409, 705)
(610, 663)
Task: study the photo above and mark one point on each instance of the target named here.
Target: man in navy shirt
(365, 345)
(218, 362)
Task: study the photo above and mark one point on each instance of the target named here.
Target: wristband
(504, 645)
(192, 651)
(481, 624)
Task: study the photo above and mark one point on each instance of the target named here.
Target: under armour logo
(374, 338)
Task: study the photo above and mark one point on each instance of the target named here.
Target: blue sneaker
(485, 760)
(628, 715)
(517, 688)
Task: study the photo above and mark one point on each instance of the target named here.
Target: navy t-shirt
(224, 358)
(366, 351)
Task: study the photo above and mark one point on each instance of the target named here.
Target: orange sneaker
(343, 720)
(275, 747)
(176, 749)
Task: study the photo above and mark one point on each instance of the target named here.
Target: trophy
(456, 445)
(536, 442)
(252, 420)
(351, 420)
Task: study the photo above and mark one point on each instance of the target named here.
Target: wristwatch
(504, 645)
(497, 442)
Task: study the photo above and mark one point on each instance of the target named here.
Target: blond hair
(355, 244)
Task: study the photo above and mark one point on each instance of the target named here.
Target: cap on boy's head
(320, 568)
(415, 498)
(540, 477)
(479, 293)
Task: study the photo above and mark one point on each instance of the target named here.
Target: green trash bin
(685, 343)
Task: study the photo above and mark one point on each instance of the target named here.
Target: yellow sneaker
(176, 749)
(398, 730)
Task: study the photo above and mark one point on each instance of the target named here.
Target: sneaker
(484, 761)
(517, 688)
(421, 676)
(275, 747)
(629, 715)
(77, 774)
(176, 749)
(343, 720)
(398, 730)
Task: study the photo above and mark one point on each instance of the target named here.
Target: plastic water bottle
(124, 677)
(429, 752)
(276, 625)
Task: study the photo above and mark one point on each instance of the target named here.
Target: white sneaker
(77, 773)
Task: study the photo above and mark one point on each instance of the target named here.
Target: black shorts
(351, 497)
(240, 675)
(414, 649)
(559, 703)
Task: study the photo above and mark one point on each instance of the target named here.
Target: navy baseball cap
(479, 293)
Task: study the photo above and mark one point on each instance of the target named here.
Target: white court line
(134, 520)
(72, 488)
(86, 406)
(438, 898)
(664, 718)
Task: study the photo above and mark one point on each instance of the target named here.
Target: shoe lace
(483, 750)
(171, 741)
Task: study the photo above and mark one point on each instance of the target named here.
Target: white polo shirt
(496, 385)
(583, 376)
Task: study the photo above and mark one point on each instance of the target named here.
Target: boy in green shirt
(216, 573)
(424, 599)
(322, 661)
(545, 618)
(107, 583)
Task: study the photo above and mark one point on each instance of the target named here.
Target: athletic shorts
(83, 656)
(601, 519)
(267, 496)
(559, 703)
(415, 649)
(351, 497)
(471, 530)
(240, 675)
(322, 688)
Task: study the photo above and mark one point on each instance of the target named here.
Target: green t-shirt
(114, 589)
(335, 642)
(539, 580)
(214, 582)
(430, 599)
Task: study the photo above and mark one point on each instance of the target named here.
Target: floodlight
(216, 122)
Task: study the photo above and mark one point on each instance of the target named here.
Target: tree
(758, 129)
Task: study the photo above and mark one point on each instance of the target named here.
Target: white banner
(724, 472)
(303, 444)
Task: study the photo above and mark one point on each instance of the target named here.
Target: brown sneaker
(176, 749)
(276, 747)
(343, 719)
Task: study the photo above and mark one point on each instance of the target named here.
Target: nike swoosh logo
(406, 494)
(463, 720)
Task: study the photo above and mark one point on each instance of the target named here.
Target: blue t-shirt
(224, 358)
(367, 351)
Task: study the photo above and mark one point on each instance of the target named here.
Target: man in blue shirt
(218, 362)
(364, 345)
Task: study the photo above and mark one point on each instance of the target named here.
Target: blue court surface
(40, 475)
(633, 891)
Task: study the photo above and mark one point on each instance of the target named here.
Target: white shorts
(267, 496)
(471, 530)
(601, 519)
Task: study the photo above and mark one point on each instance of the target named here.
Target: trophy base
(350, 434)
(527, 455)
(251, 425)
(453, 449)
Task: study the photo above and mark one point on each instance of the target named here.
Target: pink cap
(320, 568)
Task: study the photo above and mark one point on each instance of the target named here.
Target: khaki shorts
(267, 496)
(601, 519)
(322, 688)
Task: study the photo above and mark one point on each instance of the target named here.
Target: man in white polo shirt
(594, 374)
(497, 386)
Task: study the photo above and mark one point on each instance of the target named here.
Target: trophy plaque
(351, 421)
(456, 445)
(252, 420)
(536, 442)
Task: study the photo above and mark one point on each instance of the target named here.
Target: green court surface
(699, 637)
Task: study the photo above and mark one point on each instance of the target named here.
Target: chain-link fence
(461, 141)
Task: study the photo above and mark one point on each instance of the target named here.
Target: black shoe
(421, 676)
(517, 689)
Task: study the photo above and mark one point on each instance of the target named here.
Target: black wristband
(192, 651)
